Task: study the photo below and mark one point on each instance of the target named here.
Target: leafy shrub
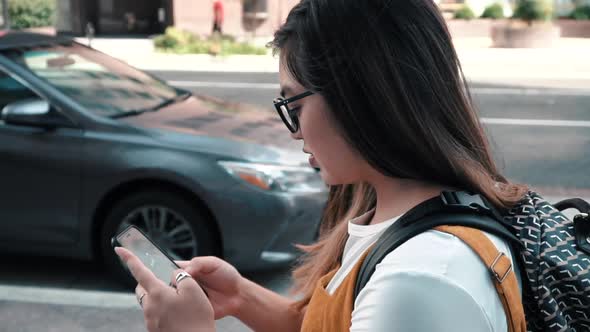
(241, 48)
(165, 42)
(581, 13)
(494, 11)
(464, 13)
(31, 13)
(228, 38)
(182, 42)
(534, 10)
(200, 47)
(181, 36)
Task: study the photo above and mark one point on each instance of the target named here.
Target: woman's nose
(297, 135)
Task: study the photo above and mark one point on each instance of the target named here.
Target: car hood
(231, 131)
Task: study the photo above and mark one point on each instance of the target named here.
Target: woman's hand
(185, 308)
(220, 280)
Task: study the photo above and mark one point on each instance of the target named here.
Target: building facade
(113, 16)
(144, 17)
(241, 17)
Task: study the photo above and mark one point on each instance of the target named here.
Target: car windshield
(100, 83)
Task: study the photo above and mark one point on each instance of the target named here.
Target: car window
(12, 90)
(98, 82)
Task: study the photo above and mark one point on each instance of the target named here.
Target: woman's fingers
(140, 294)
(184, 283)
(164, 308)
(140, 272)
(180, 276)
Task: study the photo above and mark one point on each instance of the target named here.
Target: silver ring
(140, 299)
(181, 275)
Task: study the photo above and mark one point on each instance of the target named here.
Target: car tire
(122, 213)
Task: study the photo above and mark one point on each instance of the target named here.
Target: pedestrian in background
(375, 92)
(218, 17)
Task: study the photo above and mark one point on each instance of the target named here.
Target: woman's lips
(313, 162)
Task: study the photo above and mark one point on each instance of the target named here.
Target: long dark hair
(391, 76)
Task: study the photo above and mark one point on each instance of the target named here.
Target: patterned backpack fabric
(552, 251)
(555, 263)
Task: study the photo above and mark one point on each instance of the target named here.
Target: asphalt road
(540, 137)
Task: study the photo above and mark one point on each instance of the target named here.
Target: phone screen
(151, 256)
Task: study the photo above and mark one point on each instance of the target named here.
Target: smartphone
(134, 240)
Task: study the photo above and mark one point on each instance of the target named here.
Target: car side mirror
(33, 113)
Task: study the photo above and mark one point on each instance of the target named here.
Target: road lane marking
(86, 298)
(491, 121)
(532, 92)
(477, 91)
(534, 122)
(224, 85)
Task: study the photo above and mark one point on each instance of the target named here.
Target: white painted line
(480, 91)
(531, 92)
(532, 122)
(68, 297)
(230, 85)
(497, 91)
(92, 299)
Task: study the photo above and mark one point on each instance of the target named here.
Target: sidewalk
(564, 66)
(123, 315)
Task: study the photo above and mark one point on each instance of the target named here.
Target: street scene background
(533, 102)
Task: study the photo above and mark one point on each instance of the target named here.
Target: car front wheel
(168, 219)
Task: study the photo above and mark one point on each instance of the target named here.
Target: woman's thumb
(182, 264)
(187, 266)
(200, 265)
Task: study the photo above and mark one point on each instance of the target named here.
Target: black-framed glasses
(289, 116)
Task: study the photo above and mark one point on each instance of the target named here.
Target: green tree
(534, 10)
(31, 13)
(581, 13)
(493, 11)
(464, 13)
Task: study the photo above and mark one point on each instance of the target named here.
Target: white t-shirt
(434, 282)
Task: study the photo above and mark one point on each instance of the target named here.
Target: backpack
(552, 252)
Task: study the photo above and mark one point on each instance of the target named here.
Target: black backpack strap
(576, 203)
(473, 212)
(450, 202)
(581, 221)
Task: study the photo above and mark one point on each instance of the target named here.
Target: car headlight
(294, 179)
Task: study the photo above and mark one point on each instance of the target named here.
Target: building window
(255, 9)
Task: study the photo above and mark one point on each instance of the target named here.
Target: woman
(375, 91)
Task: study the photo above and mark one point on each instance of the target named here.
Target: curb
(562, 67)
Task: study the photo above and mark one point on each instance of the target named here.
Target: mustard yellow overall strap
(501, 269)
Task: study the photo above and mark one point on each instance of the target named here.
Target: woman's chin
(329, 180)
(324, 177)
